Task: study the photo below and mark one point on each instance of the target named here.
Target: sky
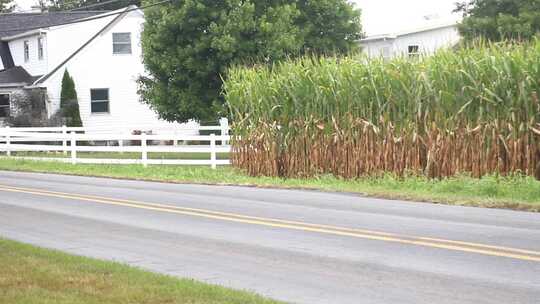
(379, 16)
(391, 16)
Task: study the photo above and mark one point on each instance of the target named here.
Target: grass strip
(511, 192)
(34, 275)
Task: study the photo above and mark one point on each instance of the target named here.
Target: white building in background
(423, 40)
(101, 51)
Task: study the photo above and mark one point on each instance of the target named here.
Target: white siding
(34, 65)
(428, 42)
(96, 67)
(65, 40)
(379, 48)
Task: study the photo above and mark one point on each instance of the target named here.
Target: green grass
(515, 192)
(34, 275)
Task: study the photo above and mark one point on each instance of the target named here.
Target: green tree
(6, 6)
(69, 105)
(188, 46)
(497, 20)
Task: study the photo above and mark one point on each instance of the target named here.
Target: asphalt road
(296, 246)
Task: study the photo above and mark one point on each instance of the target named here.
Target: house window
(414, 51)
(121, 43)
(40, 48)
(4, 105)
(99, 99)
(26, 51)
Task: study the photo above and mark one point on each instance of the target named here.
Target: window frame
(410, 50)
(26, 50)
(130, 43)
(41, 50)
(8, 106)
(108, 101)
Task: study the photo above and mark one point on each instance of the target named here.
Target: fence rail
(76, 140)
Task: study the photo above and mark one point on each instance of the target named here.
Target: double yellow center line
(499, 251)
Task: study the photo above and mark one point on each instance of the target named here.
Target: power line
(94, 5)
(88, 19)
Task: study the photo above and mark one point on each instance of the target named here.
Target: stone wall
(28, 109)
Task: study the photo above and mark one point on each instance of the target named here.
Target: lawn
(514, 192)
(34, 275)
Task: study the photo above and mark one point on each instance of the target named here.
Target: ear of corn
(472, 110)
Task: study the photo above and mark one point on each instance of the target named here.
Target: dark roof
(5, 55)
(18, 23)
(15, 75)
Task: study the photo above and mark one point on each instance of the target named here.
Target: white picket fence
(71, 141)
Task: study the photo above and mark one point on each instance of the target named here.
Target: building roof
(5, 55)
(15, 76)
(425, 28)
(18, 23)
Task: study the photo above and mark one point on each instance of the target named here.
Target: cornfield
(469, 111)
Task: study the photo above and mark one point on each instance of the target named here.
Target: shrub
(69, 105)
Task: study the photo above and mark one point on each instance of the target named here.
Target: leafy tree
(69, 105)
(188, 45)
(498, 20)
(6, 6)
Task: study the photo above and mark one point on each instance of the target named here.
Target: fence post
(8, 142)
(73, 147)
(224, 122)
(121, 141)
(213, 150)
(144, 148)
(64, 139)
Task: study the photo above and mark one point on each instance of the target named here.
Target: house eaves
(25, 34)
(12, 85)
(379, 37)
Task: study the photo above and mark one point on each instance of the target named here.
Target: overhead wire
(93, 5)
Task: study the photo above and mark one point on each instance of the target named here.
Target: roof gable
(121, 14)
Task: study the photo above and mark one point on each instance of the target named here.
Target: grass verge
(35, 275)
(514, 192)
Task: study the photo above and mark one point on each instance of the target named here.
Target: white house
(422, 40)
(103, 55)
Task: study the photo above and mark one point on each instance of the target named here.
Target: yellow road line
(484, 249)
